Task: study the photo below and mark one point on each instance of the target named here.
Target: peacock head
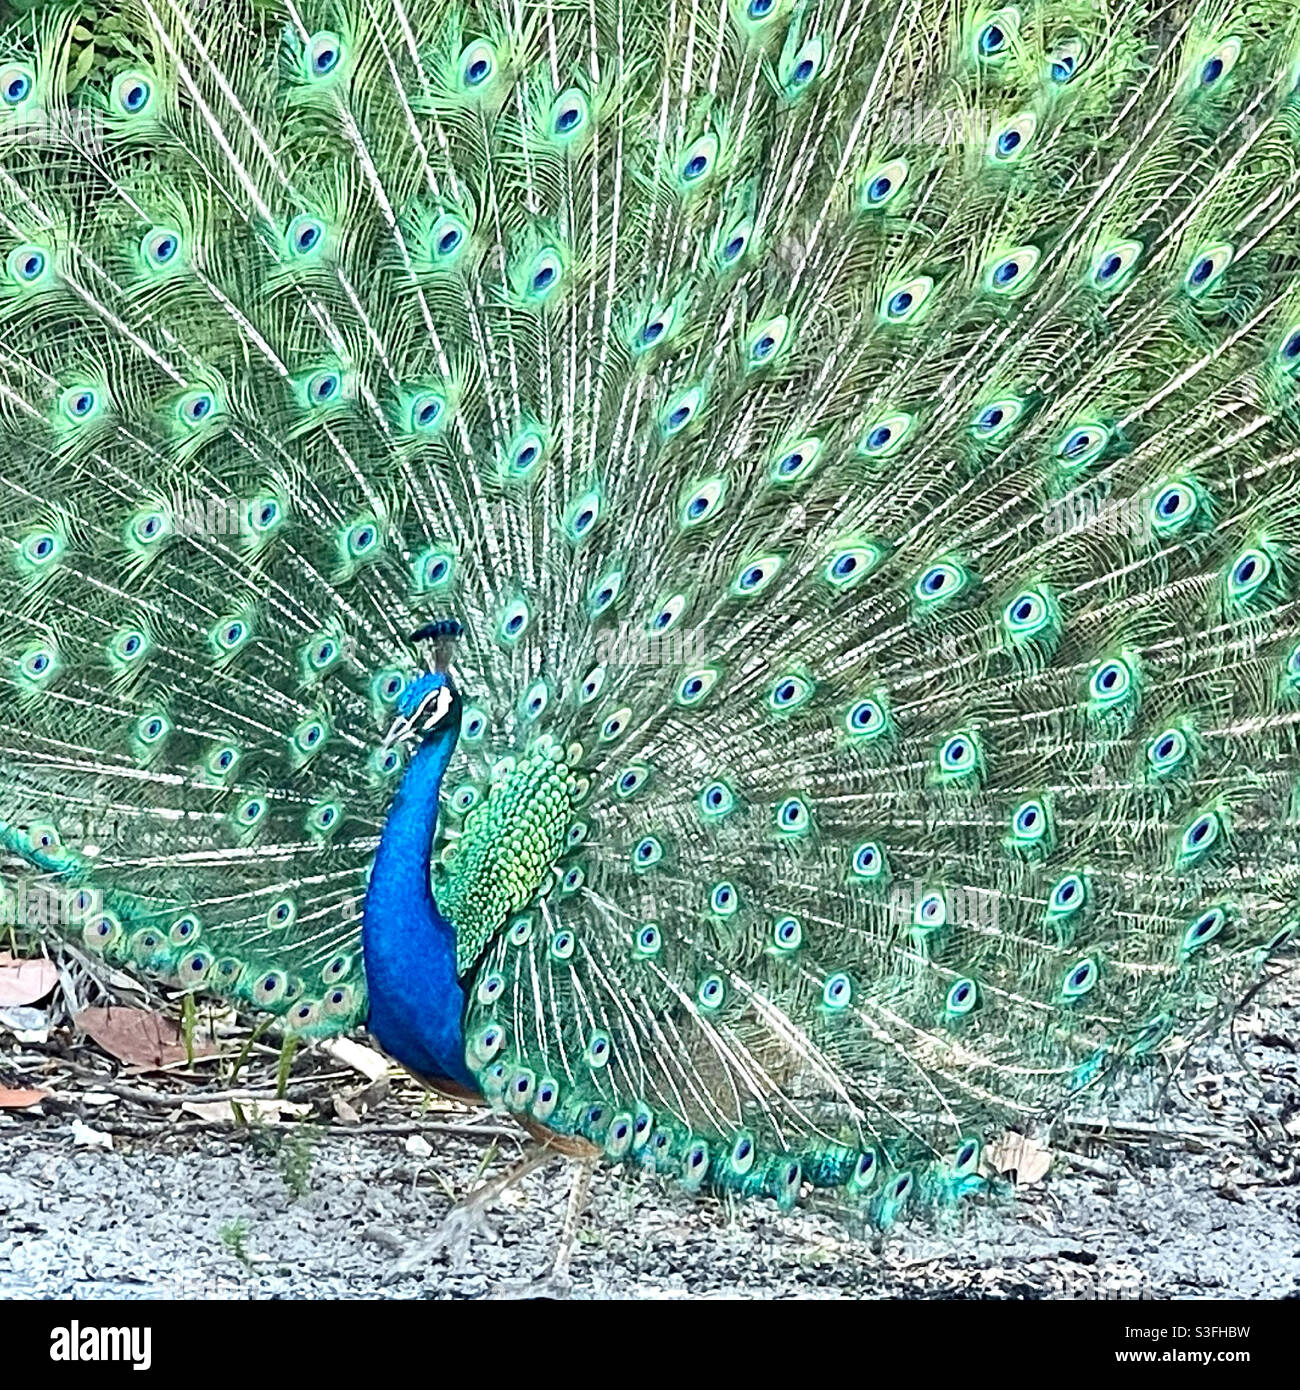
(430, 703)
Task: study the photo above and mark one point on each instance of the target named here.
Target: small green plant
(297, 1158)
(234, 1236)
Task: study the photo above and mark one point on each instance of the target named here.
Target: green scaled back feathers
(861, 444)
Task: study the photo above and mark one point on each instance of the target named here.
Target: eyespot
(130, 645)
(904, 302)
(993, 39)
(994, 420)
(221, 761)
(1200, 835)
(324, 387)
(800, 70)
(535, 700)
(716, 800)
(792, 816)
(886, 436)
(544, 274)
(1014, 138)
(679, 411)
(161, 247)
(1207, 269)
(151, 728)
(1203, 929)
(958, 755)
(1080, 979)
(194, 407)
(632, 780)
(305, 235)
(572, 881)
(837, 992)
(883, 185)
(668, 614)
(765, 341)
(1012, 274)
(323, 818)
(231, 634)
(283, 913)
(1112, 266)
(794, 461)
(787, 933)
(731, 245)
(514, 621)
(16, 83)
(132, 93)
(849, 566)
(1288, 352)
(563, 944)
(569, 114)
(1063, 65)
(1167, 750)
(1173, 507)
(1068, 895)
(939, 583)
(697, 161)
(1026, 615)
(868, 861)
(39, 664)
(755, 575)
(1081, 444)
(478, 62)
(648, 939)
(723, 899)
(711, 992)
(962, 998)
(1111, 682)
(866, 719)
(790, 692)
(702, 501)
(264, 514)
(597, 1051)
(931, 912)
(1247, 574)
(78, 403)
(615, 725)
(324, 53)
(648, 853)
(1215, 66)
(1029, 822)
(695, 685)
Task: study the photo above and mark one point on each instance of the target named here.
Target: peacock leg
(466, 1219)
(558, 1282)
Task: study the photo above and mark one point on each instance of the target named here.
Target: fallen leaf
(359, 1057)
(83, 1137)
(26, 1024)
(345, 1112)
(257, 1111)
(20, 1100)
(138, 1037)
(1017, 1153)
(26, 981)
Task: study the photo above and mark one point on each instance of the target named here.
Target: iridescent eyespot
(711, 991)
(723, 899)
(324, 50)
(868, 861)
(1080, 979)
(1203, 929)
(1112, 265)
(1068, 895)
(962, 998)
(132, 93)
(881, 186)
(787, 933)
(305, 235)
(837, 992)
(563, 944)
(16, 82)
(648, 852)
(1167, 750)
(649, 939)
(477, 64)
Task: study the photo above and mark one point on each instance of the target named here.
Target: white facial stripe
(435, 706)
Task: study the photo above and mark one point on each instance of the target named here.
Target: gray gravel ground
(1193, 1193)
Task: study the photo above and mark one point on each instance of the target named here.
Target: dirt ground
(1187, 1187)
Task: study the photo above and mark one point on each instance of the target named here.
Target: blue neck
(416, 1002)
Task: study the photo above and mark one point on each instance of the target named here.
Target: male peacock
(860, 444)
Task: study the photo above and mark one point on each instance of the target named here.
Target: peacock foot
(462, 1226)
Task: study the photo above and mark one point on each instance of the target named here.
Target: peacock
(724, 575)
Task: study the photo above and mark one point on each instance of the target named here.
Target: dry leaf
(26, 981)
(138, 1037)
(1016, 1153)
(83, 1137)
(266, 1112)
(345, 1112)
(359, 1057)
(20, 1100)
